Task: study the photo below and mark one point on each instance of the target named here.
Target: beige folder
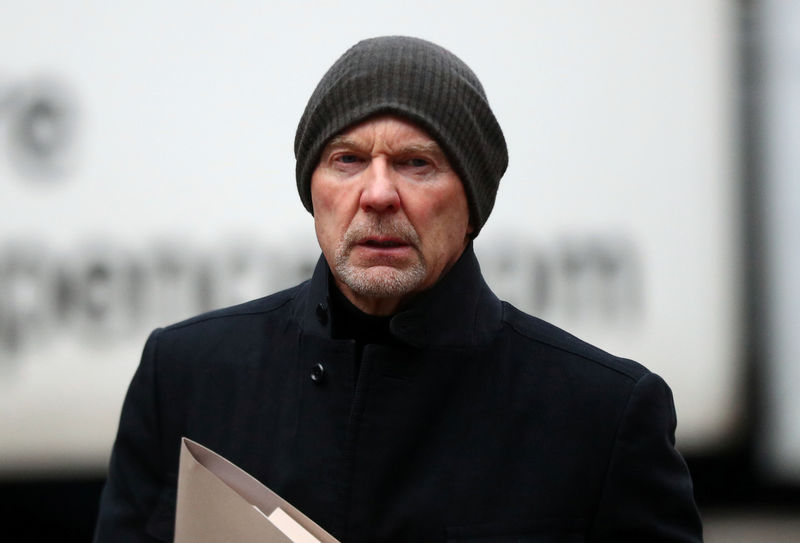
(219, 502)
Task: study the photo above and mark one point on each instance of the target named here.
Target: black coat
(481, 424)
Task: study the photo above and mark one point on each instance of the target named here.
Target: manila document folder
(218, 501)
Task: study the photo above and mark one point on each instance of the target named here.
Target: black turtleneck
(349, 322)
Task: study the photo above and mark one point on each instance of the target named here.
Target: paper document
(217, 501)
(289, 526)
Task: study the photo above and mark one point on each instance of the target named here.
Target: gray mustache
(396, 229)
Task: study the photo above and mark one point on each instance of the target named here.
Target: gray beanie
(423, 83)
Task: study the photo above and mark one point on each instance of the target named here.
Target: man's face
(390, 214)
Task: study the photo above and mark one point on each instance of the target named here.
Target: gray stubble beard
(386, 282)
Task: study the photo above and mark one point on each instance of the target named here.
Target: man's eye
(348, 159)
(418, 162)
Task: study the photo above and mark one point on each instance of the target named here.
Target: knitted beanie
(422, 82)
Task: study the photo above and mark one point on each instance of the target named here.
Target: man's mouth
(384, 243)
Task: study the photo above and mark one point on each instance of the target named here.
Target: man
(393, 397)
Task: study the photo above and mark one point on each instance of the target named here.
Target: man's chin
(382, 281)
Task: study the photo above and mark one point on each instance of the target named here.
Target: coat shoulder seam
(540, 331)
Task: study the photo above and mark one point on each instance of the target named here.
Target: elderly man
(393, 397)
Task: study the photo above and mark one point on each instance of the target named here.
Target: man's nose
(380, 189)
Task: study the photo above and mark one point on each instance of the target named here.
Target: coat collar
(458, 311)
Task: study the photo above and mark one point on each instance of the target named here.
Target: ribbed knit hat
(423, 83)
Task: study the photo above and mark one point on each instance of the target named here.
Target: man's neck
(350, 322)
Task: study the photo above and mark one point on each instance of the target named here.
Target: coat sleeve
(648, 493)
(137, 501)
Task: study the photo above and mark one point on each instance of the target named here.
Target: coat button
(317, 373)
(322, 312)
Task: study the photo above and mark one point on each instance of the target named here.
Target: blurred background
(651, 206)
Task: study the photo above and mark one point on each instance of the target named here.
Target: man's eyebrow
(426, 148)
(338, 142)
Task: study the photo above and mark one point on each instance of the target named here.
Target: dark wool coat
(482, 424)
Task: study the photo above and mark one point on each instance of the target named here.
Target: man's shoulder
(265, 307)
(554, 343)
